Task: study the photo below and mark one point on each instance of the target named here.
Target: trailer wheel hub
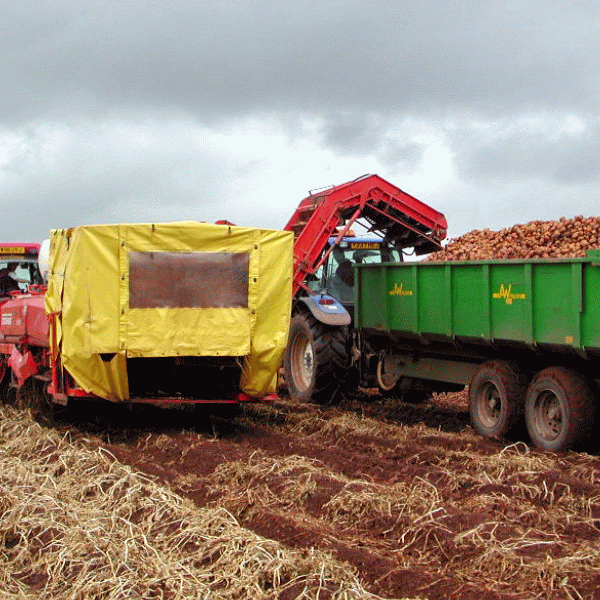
(490, 405)
(549, 415)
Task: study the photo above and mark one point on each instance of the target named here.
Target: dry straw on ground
(337, 424)
(514, 521)
(75, 525)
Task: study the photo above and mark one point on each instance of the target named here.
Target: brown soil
(407, 495)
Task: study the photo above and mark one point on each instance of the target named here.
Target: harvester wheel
(496, 397)
(11, 396)
(4, 381)
(315, 360)
(32, 396)
(559, 409)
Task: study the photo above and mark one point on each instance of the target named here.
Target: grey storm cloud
(98, 165)
(357, 134)
(226, 58)
(565, 157)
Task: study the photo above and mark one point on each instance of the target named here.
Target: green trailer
(524, 335)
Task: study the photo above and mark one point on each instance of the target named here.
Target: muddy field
(370, 499)
(404, 500)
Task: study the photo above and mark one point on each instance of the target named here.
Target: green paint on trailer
(540, 301)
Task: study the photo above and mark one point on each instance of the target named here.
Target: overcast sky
(131, 111)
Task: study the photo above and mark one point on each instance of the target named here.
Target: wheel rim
(302, 362)
(548, 415)
(489, 405)
(386, 381)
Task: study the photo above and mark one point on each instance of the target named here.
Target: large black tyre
(496, 398)
(559, 409)
(315, 360)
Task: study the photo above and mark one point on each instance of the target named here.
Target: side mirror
(44, 259)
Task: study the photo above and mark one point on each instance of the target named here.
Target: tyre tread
(581, 408)
(331, 359)
(514, 383)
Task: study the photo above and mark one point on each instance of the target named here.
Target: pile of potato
(565, 238)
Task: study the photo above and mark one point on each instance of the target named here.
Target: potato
(564, 238)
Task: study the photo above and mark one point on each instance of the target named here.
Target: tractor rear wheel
(315, 360)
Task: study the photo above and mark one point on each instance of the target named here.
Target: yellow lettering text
(398, 290)
(507, 294)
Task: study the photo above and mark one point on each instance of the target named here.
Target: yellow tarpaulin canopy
(169, 290)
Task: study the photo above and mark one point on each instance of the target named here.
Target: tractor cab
(336, 275)
(21, 261)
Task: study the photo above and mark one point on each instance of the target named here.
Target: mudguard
(326, 309)
(22, 365)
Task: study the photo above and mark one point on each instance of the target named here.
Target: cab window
(26, 273)
(340, 272)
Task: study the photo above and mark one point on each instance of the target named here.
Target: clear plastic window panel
(188, 279)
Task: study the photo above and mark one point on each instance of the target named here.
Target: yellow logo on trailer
(12, 250)
(507, 294)
(398, 290)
